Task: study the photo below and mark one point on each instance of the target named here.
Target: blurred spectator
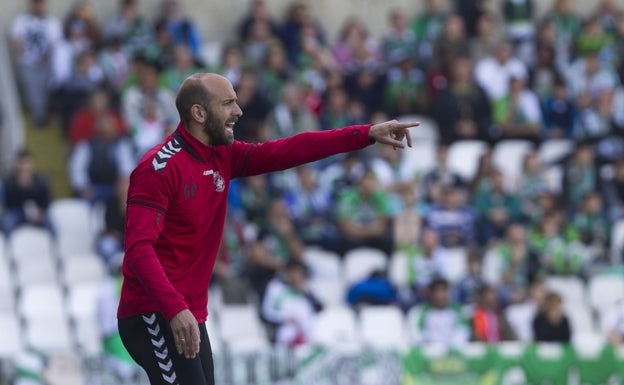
(439, 321)
(559, 113)
(399, 39)
(151, 129)
(86, 77)
(26, 195)
(334, 112)
(494, 73)
(406, 91)
(595, 118)
(278, 233)
(566, 21)
(231, 65)
(83, 122)
(488, 324)
(290, 116)
(393, 170)
(580, 175)
(35, 37)
(439, 177)
(343, 174)
(428, 28)
(426, 262)
(255, 196)
(96, 164)
(275, 74)
(408, 220)
(354, 43)
(588, 74)
(518, 115)
(519, 27)
(462, 110)
(613, 190)
(363, 213)
(134, 30)
(452, 219)
(258, 14)
(484, 41)
(137, 98)
(531, 185)
(522, 329)
(310, 207)
(256, 45)
(314, 53)
(613, 323)
(110, 242)
(485, 169)
(467, 289)
(590, 227)
(452, 41)
(551, 324)
(115, 64)
(255, 105)
(180, 27)
(471, 11)
(297, 19)
(366, 86)
(593, 38)
(289, 306)
(511, 265)
(546, 73)
(183, 66)
(81, 29)
(496, 208)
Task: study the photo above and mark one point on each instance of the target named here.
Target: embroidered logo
(218, 182)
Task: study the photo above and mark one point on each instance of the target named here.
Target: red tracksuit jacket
(176, 210)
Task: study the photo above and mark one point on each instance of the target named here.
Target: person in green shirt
(427, 27)
(364, 216)
(590, 227)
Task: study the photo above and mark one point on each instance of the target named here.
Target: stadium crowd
(477, 75)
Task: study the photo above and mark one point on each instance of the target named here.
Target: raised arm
(253, 159)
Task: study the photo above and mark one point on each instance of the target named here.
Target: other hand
(185, 333)
(392, 133)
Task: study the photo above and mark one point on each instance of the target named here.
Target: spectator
(81, 29)
(588, 74)
(488, 324)
(593, 38)
(183, 66)
(511, 265)
(559, 113)
(522, 327)
(180, 27)
(289, 306)
(495, 71)
(116, 357)
(496, 208)
(110, 241)
(613, 190)
(97, 163)
(151, 129)
(590, 227)
(137, 97)
(257, 14)
(531, 185)
(580, 175)
(278, 233)
(484, 41)
(309, 206)
(82, 125)
(366, 86)
(399, 39)
(290, 116)
(468, 287)
(428, 27)
(354, 39)
(255, 196)
(426, 262)
(566, 21)
(298, 17)
(27, 196)
(334, 111)
(471, 11)
(408, 220)
(135, 32)
(518, 115)
(462, 110)
(453, 41)
(551, 324)
(393, 170)
(452, 220)
(115, 64)
(275, 74)
(35, 37)
(485, 169)
(406, 91)
(519, 27)
(256, 46)
(440, 322)
(439, 177)
(364, 216)
(613, 323)
(255, 105)
(546, 73)
(231, 65)
(595, 118)
(343, 174)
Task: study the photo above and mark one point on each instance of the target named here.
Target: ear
(198, 113)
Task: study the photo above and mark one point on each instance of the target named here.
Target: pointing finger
(407, 124)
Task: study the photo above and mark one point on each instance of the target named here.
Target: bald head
(197, 89)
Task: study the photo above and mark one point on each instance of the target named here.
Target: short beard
(215, 131)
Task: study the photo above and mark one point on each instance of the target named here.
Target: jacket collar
(192, 145)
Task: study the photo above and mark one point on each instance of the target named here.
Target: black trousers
(149, 341)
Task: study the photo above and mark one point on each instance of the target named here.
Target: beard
(216, 131)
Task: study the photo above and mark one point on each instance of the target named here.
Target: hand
(185, 333)
(392, 133)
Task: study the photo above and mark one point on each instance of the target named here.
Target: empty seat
(463, 157)
(553, 150)
(328, 291)
(508, 156)
(520, 319)
(11, 341)
(49, 334)
(42, 269)
(422, 156)
(72, 219)
(581, 319)
(571, 289)
(457, 263)
(360, 262)
(427, 130)
(323, 264)
(83, 268)
(383, 327)
(605, 291)
(30, 243)
(82, 300)
(617, 242)
(41, 300)
(397, 272)
(335, 327)
(241, 329)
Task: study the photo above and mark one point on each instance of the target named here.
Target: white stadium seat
(605, 291)
(508, 156)
(83, 268)
(553, 150)
(30, 243)
(11, 341)
(323, 264)
(328, 291)
(427, 130)
(397, 272)
(617, 241)
(581, 319)
(241, 329)
(520, 319)
(422, 156)
(463, 157)
(7, 297)
(457, 263)
(43, 269)
(360, 262)
(335, 327)
(72, 219)
(571, 289)
(383, 327)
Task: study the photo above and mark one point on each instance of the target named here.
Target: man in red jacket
(175, 216)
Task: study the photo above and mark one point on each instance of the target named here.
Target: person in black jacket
(551, 324)
(26, 196)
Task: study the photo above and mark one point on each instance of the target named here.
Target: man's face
(221, 114)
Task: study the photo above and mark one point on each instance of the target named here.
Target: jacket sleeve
(149, 196)
(280, 154)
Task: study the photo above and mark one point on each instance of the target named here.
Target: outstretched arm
(253, 159)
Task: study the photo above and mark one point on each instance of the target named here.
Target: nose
(237, 111)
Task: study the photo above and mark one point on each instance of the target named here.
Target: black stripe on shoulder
(147, 204)
(186, 146)
(245, 160)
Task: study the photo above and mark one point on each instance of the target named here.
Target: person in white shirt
(35, 36)
(494, 72)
